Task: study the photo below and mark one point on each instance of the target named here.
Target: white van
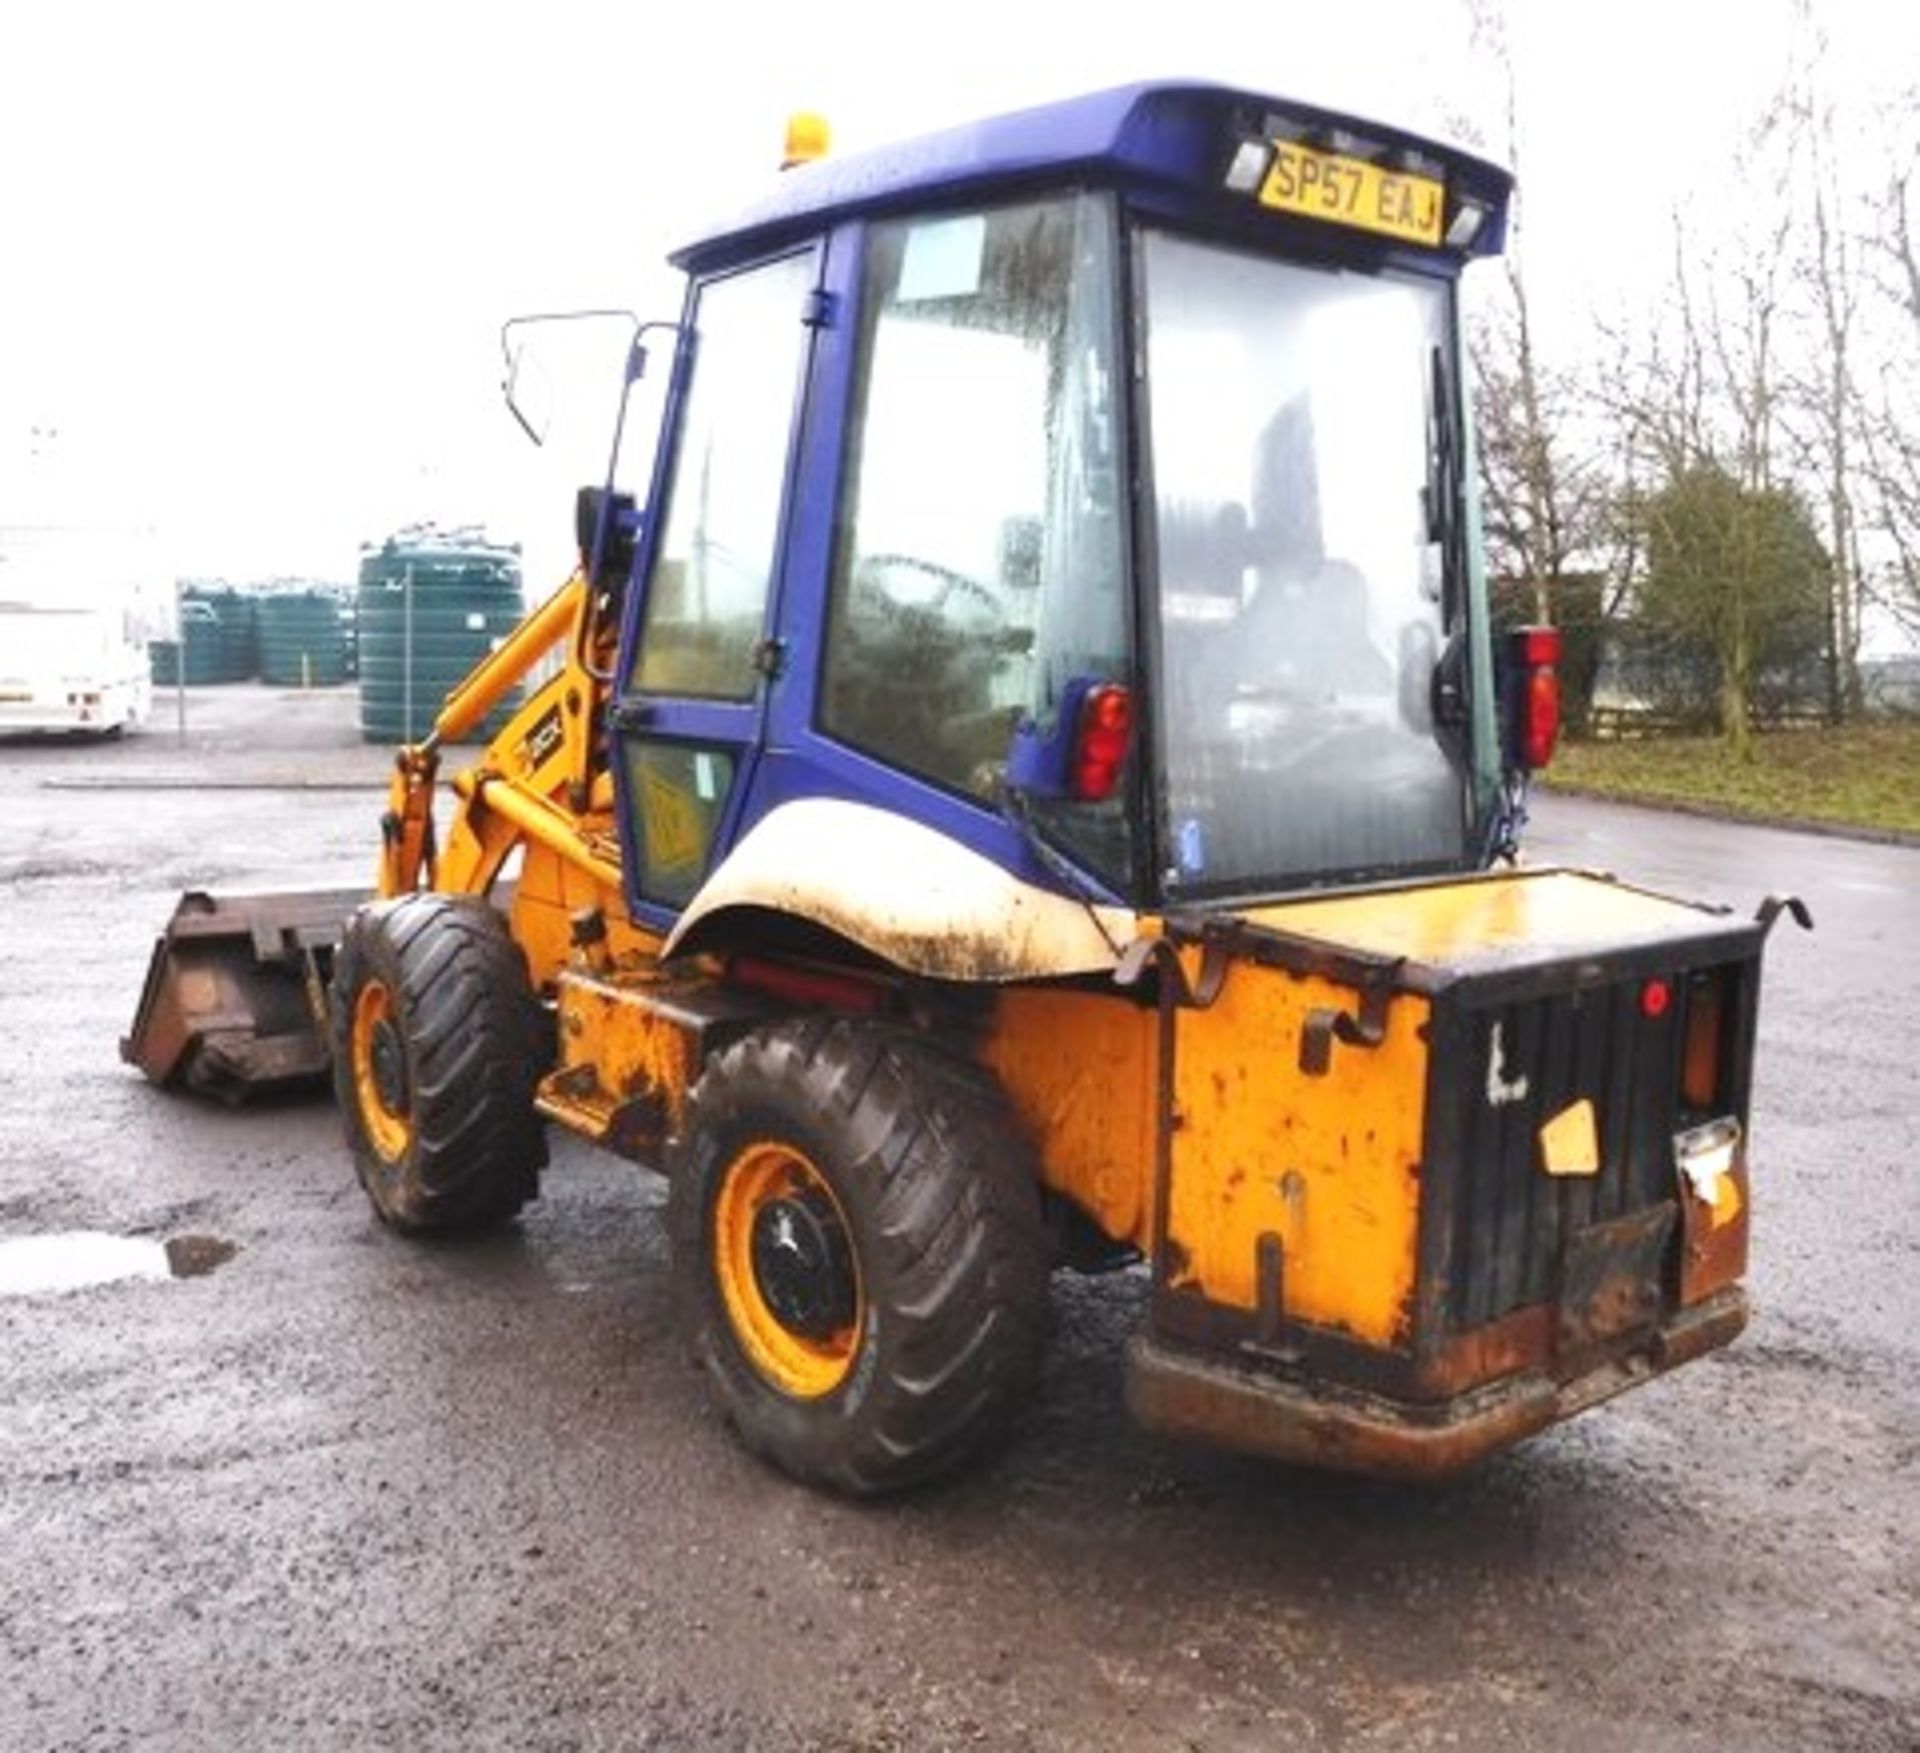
(72, 664)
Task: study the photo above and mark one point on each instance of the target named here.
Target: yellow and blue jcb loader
(1030, 780)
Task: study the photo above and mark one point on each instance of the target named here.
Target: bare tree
(1834, 409)
(1822, 408)
(1543, 496)
(1698, 386)
(1890, 439)
(1653, 381)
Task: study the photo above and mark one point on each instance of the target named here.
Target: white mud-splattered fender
(908, 893)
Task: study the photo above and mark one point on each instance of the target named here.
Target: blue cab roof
(1175, 138)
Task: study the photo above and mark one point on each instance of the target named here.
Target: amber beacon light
(807, 139)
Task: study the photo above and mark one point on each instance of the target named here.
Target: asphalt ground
(343, 1490)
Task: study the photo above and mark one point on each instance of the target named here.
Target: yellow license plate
(1349, 191)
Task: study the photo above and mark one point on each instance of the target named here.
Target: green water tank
(303, 639)
(234, 657)
(428, 609)
(205, 641)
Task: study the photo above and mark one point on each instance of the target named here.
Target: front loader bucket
(235, 996)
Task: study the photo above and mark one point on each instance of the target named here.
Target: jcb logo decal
(546, 736)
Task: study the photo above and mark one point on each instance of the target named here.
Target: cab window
(707, 595)
(979, 560)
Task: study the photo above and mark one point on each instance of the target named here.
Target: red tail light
(1100, 742)
(1536, 653)
(822, 987)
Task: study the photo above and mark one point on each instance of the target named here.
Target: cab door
(690, 713)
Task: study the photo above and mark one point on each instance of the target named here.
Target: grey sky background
(256, 257)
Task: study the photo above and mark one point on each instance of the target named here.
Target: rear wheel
(438, 1042)
(859, 1257)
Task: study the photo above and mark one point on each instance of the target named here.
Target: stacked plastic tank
(431, 605)
(217, 636)
(303, 639)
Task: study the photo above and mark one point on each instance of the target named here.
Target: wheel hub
(801, 1265)
(389, 1067)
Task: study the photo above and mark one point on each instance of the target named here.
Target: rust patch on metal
(1610, 1281)
(1284, 1418)
(1521, 1340)
(1712, 1254)
(1219, 1403)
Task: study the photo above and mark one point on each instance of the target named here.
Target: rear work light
(1100, 742)
(1082, 753)
(1534, 657)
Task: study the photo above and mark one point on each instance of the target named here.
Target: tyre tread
(476, 1042)
(950, 1195)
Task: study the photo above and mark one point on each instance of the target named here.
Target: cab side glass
(979, 561)
(707, 594)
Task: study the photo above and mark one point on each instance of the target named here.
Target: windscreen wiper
(1443, 486)
(1444, 526)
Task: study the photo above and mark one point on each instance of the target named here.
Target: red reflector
(1655, 999)
(1539, 644)
(1109, 710)
(1100, 745)
(810, 986)
(1539, 717)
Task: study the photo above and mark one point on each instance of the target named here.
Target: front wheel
(859, 1256)
(438, 1042)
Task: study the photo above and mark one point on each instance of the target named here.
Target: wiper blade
(1443, 485)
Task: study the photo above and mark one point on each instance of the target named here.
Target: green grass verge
(1862, 776)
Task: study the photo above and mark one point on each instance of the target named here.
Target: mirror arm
(527, 426)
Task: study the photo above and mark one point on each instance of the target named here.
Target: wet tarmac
(346, 1491)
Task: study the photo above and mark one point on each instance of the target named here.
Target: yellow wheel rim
(783, 1254)
(379, 1072)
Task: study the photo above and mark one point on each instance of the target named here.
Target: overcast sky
(256, 257)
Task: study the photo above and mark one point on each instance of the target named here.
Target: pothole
(79, 1259)
(196, 1256)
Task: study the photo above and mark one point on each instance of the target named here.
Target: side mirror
(529, 390)
(529, 393)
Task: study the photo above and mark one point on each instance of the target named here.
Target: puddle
(79, 1259)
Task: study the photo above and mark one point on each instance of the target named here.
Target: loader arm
(409, 853)
(229, 1005)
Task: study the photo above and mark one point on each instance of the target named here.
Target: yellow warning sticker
(674, 822)
(1570, 1141)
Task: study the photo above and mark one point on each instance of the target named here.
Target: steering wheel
(946, 578)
